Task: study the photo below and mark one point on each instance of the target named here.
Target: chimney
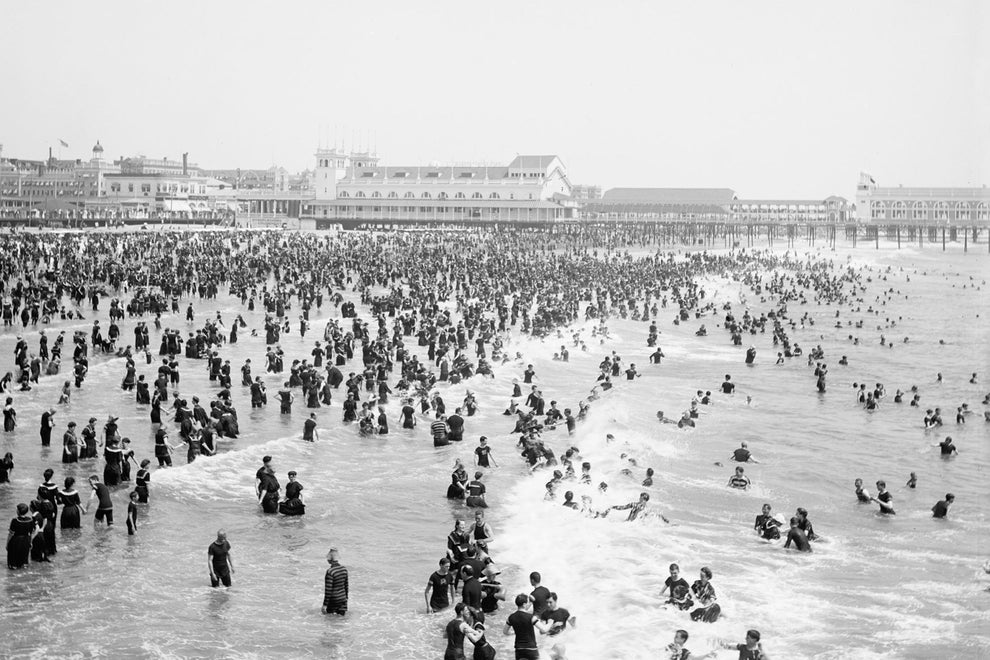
(185, 163)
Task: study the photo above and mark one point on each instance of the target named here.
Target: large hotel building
(355, 187)
(925, 206)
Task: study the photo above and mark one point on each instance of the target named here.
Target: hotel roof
(532, 162)
(603, 206)
(789, 202)
(398, 174)
(982, 193)
(670, 195)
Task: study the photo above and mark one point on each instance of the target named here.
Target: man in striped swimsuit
(335, 586)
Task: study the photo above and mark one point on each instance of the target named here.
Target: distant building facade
(661, 204)
(53, 183)
(583, 192)
(804, 211)
(914, 205)
(356, 187)
(145, 165)
(711, 205)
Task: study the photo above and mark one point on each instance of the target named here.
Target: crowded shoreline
(486, 308)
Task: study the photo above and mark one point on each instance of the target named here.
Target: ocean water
(905, 586)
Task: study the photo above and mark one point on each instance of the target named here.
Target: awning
(179, 205)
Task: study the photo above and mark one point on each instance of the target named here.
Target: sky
(771, 99)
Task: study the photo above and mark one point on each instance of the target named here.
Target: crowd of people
(429, 320)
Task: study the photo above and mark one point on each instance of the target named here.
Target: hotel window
(983, 211)
(393, 195)
(376, 195)
(466, 175)
(876, 210)
(962, 212)
(409, 195)
(146, 188)
(344, 194)
(941, 211)
(476, 195)
(493, 196)
(899, 211)
(432, 175)
(920, 211)
(442, 195)
(426, 195)
(459, 195)
(130, 187)
(359, 193)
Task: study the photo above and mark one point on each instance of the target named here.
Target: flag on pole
(63, 143)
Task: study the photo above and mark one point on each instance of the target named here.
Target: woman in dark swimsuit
(9, 415)
(126, 456)
(408, 419)
(141, 481)
(704, 594)
(458, 482)
(113, 455)
(6, 465)
(71, 505)
(19, 538)
(156, 409)
(269, 493)
(70, 445)
(293, 504)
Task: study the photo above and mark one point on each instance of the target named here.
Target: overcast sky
(789, 99)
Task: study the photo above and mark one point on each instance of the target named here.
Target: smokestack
(185, 163)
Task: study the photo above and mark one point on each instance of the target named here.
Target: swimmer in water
(675, 650)
(912, 482)
(946, 447)
(742, 455)
(739, 480)
(941, 508)
(797, 536)
(884, 499)
(664, 420)
(766, 525)
(635, 508)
